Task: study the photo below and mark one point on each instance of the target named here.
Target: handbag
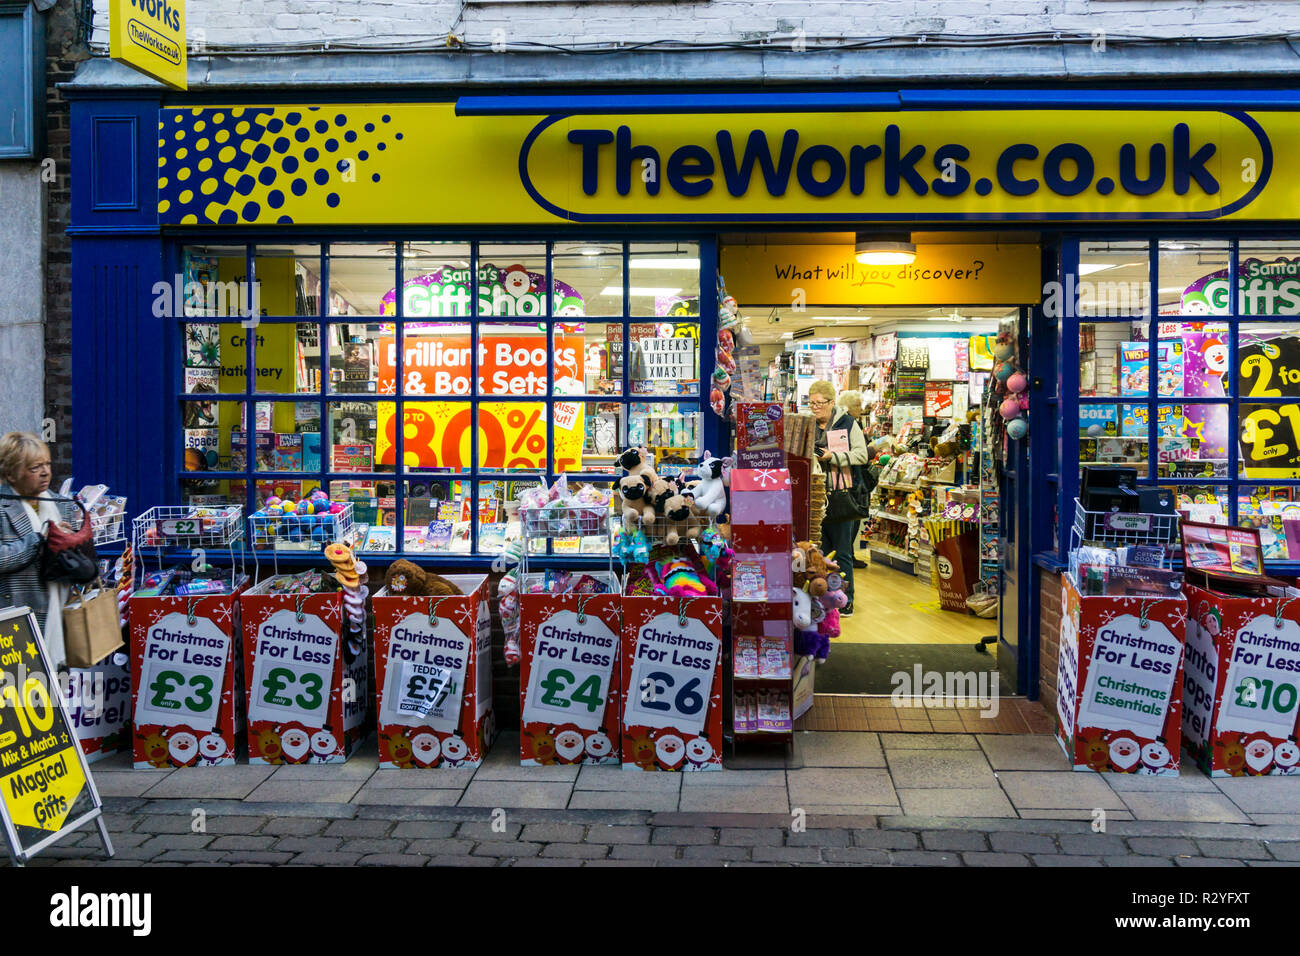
(91, 627)
(846, 503)
(67, 556)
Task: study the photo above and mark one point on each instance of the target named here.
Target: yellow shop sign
(829, 275)
(149, 35)
(419, 163)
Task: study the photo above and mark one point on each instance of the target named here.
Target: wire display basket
(1121, 528)
(574, 522)
(188, 526)
(300, 532)
(109, 527)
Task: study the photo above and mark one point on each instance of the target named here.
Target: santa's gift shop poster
(1119, 682)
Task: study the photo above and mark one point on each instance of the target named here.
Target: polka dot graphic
(263, 165)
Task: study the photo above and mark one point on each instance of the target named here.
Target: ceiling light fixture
(889, 250)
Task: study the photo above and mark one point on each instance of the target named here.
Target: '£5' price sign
(428, 691)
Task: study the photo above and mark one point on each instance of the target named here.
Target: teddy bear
(810, 568)
(634, 490)
(661, 489)
(410, 580)
(638, 461)
(677, 514)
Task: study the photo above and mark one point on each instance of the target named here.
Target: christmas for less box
(1241, 684)
(185, 700)
(569, 678)
(672, 683)
(433, 677)
(1119, 682)
(306, 701)
(99, 706)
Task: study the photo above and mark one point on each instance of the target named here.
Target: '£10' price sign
(1261, 688)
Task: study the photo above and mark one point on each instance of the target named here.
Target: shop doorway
(916, 375)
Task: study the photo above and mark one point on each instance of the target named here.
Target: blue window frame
(629, 309)
(1222, 416)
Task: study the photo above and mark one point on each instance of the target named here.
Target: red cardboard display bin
(99, 705)
(1241, 684)
(186, 693)
(306, 702)
(433, 677)
(569, 678)
(1119, 681)
(672, 683)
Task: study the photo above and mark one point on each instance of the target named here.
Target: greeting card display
(1241, 684)
(186, 693)
(569, 679)
(306, 693)
(99, 706)
(1119, 681)
(672, 683)
(433, 676)
(760, 435)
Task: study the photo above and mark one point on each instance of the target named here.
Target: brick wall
(62, 57)
(1049, 633)
(241, 22)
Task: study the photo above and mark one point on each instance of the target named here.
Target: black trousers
(837, 536)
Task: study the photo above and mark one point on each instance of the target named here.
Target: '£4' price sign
(589, 693)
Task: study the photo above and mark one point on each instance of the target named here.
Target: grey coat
(20, 581)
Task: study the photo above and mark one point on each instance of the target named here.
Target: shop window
(1114, 279)
(1192, 440)
(361, 274)
(1204, 504)
(409, 437)
(664, 279)
(212, 491)
(215, 283)
(1113, 435)
(1270, 440)
(1114, 359)
(1268, 279)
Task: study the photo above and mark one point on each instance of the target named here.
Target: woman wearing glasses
(24, 515)
(838, 467)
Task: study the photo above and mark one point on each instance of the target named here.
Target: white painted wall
(22, 297)
(385, 22)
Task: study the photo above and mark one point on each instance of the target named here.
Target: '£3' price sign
(286, 688)
(192, 692)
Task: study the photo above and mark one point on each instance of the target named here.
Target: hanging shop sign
(149, 36)
(829, 275)
(508, 291)
(351, 163)
(45, 786)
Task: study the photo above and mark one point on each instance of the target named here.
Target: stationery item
(746, 657)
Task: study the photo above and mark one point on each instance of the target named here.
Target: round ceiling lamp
(884, 250)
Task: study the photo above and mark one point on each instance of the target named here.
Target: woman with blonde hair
(837, 535)
(26, 511)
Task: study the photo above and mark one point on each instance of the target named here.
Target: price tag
(672, 675)
(424, 688)
(182, 673)
(182, 527)
(571, 669)
(293, 670)
(1119, 521)
(425, 680)
(1263, 682)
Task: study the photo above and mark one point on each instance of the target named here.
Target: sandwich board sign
(46, 790)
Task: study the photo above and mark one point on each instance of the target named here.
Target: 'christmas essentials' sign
(1119, 681)
(186, 710)
(569, 681)
(672, 694)
(1242, 684)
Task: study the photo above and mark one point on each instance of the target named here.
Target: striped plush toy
(678, 576)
